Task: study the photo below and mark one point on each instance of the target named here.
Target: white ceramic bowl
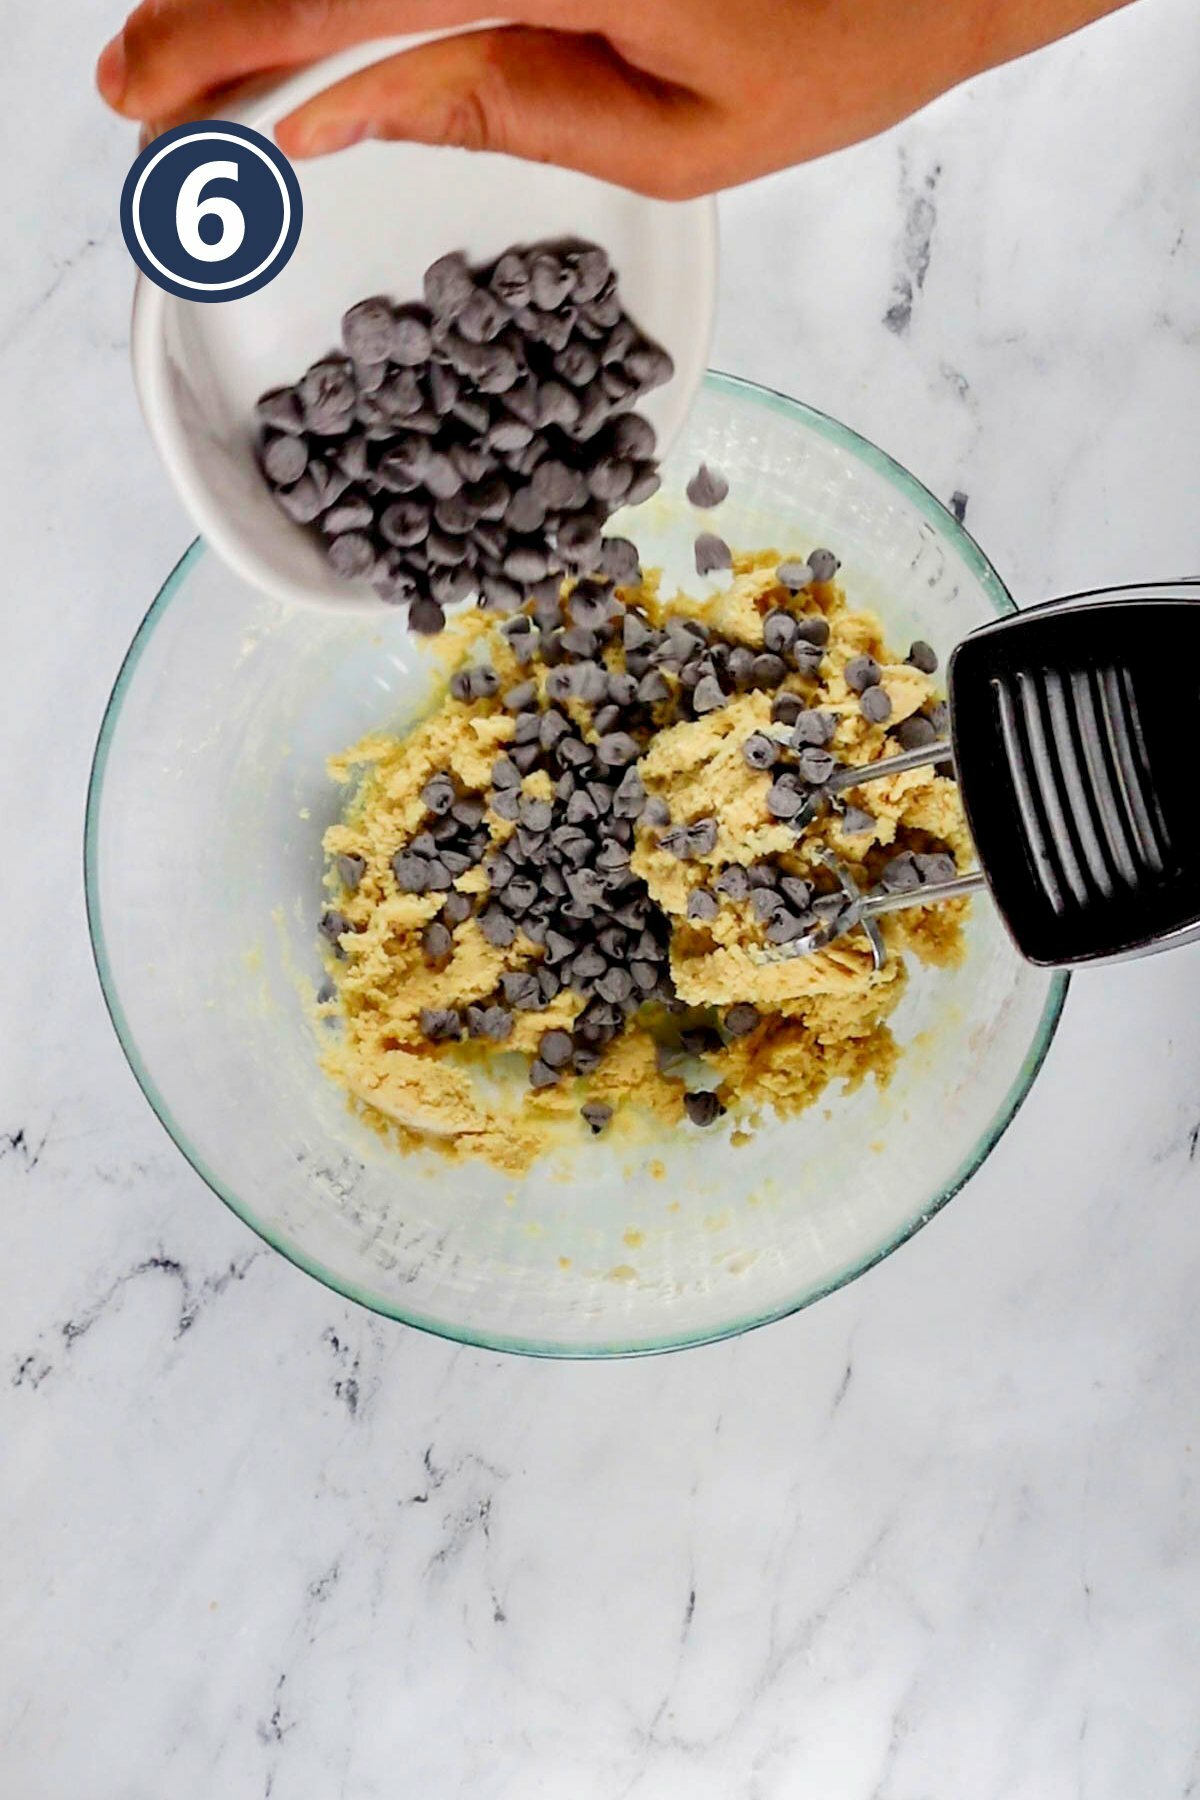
(204, 863)
(375, 216)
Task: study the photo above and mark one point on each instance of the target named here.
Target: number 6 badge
(211, 211)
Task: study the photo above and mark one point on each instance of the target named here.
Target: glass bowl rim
(927, 504)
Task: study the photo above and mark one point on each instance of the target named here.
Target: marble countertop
(939, 1536)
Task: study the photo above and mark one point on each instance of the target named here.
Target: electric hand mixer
(1070, 737)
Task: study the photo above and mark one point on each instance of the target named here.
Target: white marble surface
(939, 1536)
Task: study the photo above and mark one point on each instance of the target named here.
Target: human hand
(669, 97)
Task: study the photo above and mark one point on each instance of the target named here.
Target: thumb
(546, 96)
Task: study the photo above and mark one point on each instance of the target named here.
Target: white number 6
(190, 209)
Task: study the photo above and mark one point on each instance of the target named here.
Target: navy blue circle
(255, 190)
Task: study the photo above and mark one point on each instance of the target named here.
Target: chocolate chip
(402, 468)
(520, 988)
(436, 941)
(302, 502)
(769, 670)
(939, 718)
(613, 855)
(440, 1024)
(426, 618)
(733, 882)
(591, 605)
(350, 870)
(501, 596)
(327, 396)
(411, 872)
(500, 869)
(615, 749)
(656, 811)
(558, 947)
(786, 709)
(653, 688)
(939, 866)
(596, 1113)
(497, 1024)
(552, 728)
(815, 765)
(824, 564)
(876, 706)
(280, 409)
(783, 800)
(914, 733)
(497, 927)
(765, 903)
(578, 642)
(760, 752)
(702, 1107)
(795, 575)
(861, 673)
(649, 365)
(353, 513)
(333, 926)
(520, 894)
(550, 281)
(702, 837)
(923, 656)
(536, 814)
(405, 522)
(785, 927)
(703, 906)
(707, 488)
(796, 891)
(448, 285)
(615, 985)
(510, 279)
(520, 697)
(541, 1075)
(813, 730)
(712, 553)
(555, 1049)
(443, 385)
(588, 966)
(578, 540)
(629, 800)
(708, 695)
(740, 666)
(457, 908)
(779, 630)
(440, 475)
(619, 560)
(525, 512)
(857, 822)
(741, 1019)
(411, 341)
(526, 563)
(284, 459)
(901, 873)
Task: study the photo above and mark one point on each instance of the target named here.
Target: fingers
(546, 96)
(172, 52)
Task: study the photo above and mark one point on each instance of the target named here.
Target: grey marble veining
(938, 1536)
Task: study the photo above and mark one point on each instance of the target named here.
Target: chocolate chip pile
(599, 680)
(475, 443)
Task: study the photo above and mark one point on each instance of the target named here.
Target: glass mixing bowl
(208, 802)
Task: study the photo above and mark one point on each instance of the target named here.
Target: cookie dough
(429, 1047)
